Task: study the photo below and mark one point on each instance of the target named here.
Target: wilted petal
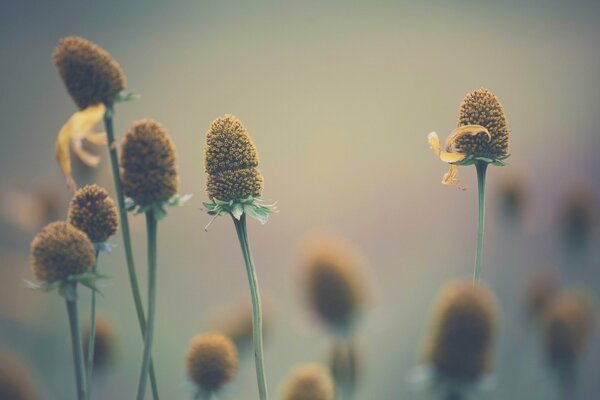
(446, 156)
(466, 130)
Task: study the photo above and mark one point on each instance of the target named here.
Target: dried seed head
(231, 161)
(309, 382)
(465, 321)
(89, 72)
(60, 250)
(482, 107)
(579, 216)
(148, 163)
(15, 381)
(568, 323)
(94, 212)
(334, 285)
(104, 344)
(541, 290)
(212, 361)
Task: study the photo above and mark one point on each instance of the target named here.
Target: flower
(579, 216)
(309, 382)
(541, 289)
(481, 135)
(60, 250)
(104, 341)
(15, 380)
(231, 161)
(464, 327)
(148, 161)
(212, 361)
(94, 212)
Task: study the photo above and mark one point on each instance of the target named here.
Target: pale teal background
(339, 97)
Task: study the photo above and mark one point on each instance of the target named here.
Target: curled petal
(450, 177)
(77, 128)
(446, 156)
(466, 130)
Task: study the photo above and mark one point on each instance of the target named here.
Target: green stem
(151, 233)
(133, 281)
(242, 232)
(77, 347)
(481, 169)
(92, 336)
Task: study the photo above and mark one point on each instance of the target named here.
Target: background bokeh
(338, 97)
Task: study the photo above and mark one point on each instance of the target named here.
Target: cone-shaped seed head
(94, 212)
(212, 361)
(104, 344)
(309, 382)
(60, 250)
(333, 281)
(148, 162)
(89, 72)
(482, 107)
(15, 382)
(231, 161)
(568, 324)
(463, 331)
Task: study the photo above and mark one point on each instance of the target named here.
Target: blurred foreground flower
(15, 381)
(578, 217)
(308, 382)
(104, 343)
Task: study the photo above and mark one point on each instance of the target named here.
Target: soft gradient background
(339, 97)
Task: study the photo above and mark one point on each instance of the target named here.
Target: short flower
(212, 361)
(94, 212)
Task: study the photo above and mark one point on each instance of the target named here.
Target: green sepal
(41, 286)
(472, 159)
(87, 279)
(158, 207)
(251, 206)
(103, 247)
(124, 97)
(67, 290)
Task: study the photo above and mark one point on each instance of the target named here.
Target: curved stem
(92, 335)
(133, 281)
(242, 232)
(151, 232)
(77, 347)
(481, 169)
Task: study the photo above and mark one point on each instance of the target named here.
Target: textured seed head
(568, 324)
(482, 107)
(464, 327)
(60, 250)
(15, 381)
(231, 161)
(212, 361)
(89, 72)
(333, 281)
(309, 382)
(93, 212)
(148, 161)
(104, 344)
(579, 216)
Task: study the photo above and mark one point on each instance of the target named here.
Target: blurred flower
(60, 250)
(579, 216)
(212, 361)
(15, 381)
(104, 343)
(481, 135)
(512, 198)
(465, 322)
(30, 211)
(541, 289)
(94, 212)
(308, 382)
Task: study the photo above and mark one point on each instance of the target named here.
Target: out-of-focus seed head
(512, 198)
(88, 71)
(231, 161)
(579, 216)
(309, 382)
(212, 361)
(541, 289)
(568, 324)
(334, 284)
(60, 250)
(148, 161)
(235, 322)
(482, 107)
(104, 344)
(15, 381)
(94, 212)
(465, 321)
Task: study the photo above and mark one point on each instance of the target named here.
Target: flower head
(94, 212)
(231, 161)
(148, 160)
(104, 342)
(15, 380)
(212, 361)
(568, 323)
(309, 382)
(464, 327)
(60, 250)
(89, 72)
(481, 134)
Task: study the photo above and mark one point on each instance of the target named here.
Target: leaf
(124, 97)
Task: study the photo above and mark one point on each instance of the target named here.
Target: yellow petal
(73, 131)
(450, 177)
(466, 130)
(89, 159)
(446, 156)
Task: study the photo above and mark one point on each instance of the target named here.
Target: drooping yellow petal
(74, 131)
(446, 156)
(465, 130)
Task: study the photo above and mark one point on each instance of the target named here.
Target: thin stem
(481, 169)
(242, 232)
(133, 281)
(92, 335)
(151, 233)
(77, 347)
